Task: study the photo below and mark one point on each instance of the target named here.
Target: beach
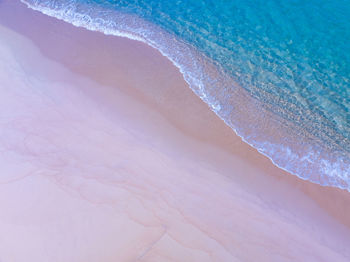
(107, 155)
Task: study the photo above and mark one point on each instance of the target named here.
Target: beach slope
(107, 155)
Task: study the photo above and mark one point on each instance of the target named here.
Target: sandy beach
(108, 156)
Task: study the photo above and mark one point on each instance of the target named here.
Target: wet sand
(107, 155)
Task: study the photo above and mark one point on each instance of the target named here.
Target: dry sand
(106, 155)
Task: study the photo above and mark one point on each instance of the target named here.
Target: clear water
(276, 71)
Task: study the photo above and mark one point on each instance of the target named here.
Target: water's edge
(239, 111)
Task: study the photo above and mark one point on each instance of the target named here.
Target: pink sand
(107, 156)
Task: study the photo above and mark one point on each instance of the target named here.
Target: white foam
(204, 78)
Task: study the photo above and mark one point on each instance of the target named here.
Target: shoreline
(226, 139)
(281, 144)
(167, 121)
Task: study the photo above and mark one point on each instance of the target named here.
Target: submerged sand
(107, 155)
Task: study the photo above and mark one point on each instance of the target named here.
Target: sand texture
(107, 156)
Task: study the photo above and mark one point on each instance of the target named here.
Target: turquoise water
(277, 72)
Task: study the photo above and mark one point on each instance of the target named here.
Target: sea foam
(289, 146)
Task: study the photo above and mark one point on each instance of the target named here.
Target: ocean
(277, 72)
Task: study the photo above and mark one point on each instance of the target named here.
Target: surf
(262, 108)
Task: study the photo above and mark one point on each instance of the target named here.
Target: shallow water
(277, 72)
